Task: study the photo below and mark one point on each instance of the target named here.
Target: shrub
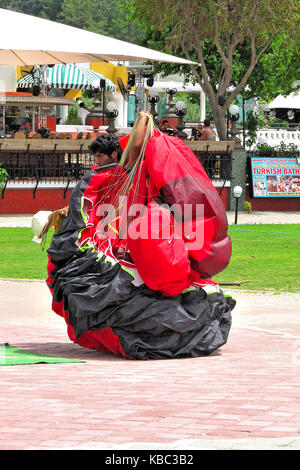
(3, 176)
(253, 122)
(248, 206)
(73, 117)
(282, 150)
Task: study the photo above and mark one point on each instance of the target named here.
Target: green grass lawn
(20, 257)
(267, 255)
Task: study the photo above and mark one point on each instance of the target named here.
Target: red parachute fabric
(181, 180)
(101, 190)
(103, 340)
(160, 257)
(176, 256)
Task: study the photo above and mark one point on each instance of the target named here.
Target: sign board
(275, 177)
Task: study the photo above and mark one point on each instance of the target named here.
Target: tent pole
(33, 120)
(4, 118)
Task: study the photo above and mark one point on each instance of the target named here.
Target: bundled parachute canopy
(130, 269)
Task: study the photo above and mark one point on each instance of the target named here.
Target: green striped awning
(70, 76)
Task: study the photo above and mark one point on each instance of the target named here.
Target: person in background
(168, 128)
(208, 133)
(197, 132)
(82, 113)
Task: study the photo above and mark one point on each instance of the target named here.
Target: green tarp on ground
(10, 356)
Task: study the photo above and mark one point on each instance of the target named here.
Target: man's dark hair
(107, 144)
(206, 122)
(81, 105)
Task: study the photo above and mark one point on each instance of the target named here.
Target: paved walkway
(244, 396)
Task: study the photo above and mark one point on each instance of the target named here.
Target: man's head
(206, 122)
(164, 124)
(106, 149)
(81, 105)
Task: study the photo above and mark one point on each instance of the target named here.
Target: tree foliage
(100, 16)
(48, 9)
(228, 38)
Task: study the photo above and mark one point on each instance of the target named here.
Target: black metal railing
(34, 167)
(217, 166)
(44, 165)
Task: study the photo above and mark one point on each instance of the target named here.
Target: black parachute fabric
(96, 295)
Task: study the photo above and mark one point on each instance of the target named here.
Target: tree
(276, 72)
(227, 38)
(101, 16)
(43, 8)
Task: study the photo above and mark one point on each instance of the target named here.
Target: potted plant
(26, 129)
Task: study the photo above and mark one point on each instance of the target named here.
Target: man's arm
(138, 139)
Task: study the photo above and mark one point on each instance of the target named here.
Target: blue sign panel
(275, 177)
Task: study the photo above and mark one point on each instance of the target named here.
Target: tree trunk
(219, 113)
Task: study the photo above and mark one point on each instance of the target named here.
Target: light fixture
(153, 92)
(150, 81)
(290, 114)
(171, 91)
(237, 192)
(233, 115)
(234, 112)
(36, 90)
(111, 113)
(180, 106)
(153, 99)
(111, 106)
(131, 80)
(272, 114)
(180, 111)
(221, 100)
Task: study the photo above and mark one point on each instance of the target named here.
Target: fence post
(239, 169)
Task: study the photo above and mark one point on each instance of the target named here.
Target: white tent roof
(180, 86)
(28, 40)
(292, 101)
(176, 80)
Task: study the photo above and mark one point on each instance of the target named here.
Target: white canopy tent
(291, 101)
(28, 40)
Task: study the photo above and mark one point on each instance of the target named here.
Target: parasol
(69, 76)
(47, 42)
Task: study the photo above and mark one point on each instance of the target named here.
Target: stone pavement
(244, 396)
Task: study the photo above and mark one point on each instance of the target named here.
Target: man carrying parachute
(130, 267)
